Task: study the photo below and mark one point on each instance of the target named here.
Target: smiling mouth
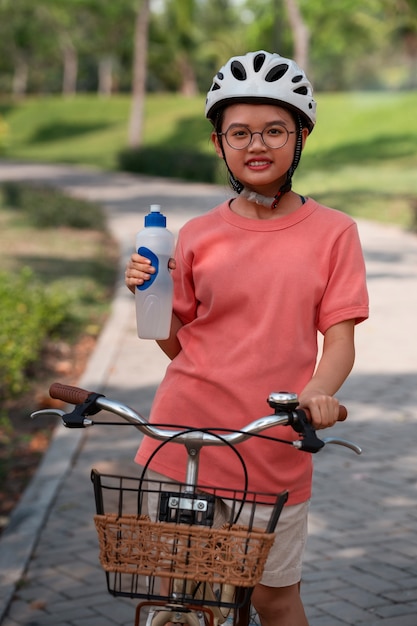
(258, 163)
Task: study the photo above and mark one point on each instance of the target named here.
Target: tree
(108, 35)
(300, 34)
(182, 30)
(61, 19)
(403, 16)
(50, 45)
(348, 42)
(139, 75)
(189, 40)
(23, 40)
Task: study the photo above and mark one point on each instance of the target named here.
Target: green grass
(82, 130)
(88, 130)
(361, 158)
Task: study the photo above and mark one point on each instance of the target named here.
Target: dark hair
(217, 121)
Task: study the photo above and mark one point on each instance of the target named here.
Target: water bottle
(154, 297)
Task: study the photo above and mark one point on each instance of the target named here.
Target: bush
(186, 164)
(30, 314)
(46, 207)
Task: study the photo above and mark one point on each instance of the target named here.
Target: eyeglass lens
(240, 137)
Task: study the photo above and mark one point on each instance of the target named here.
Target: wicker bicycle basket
(134, 544)
(137, 545)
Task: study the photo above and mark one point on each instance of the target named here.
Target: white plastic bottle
(154, 297)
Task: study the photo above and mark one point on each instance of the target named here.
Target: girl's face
(258, 166)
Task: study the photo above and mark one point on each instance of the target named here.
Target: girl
(255, 279)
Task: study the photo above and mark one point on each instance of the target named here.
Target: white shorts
(284, 564)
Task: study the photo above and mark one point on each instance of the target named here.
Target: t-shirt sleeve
(185, 303)
(346, 295)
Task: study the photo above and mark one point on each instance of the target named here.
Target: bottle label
(144, 251)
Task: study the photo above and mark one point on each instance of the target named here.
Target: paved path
(361, 562)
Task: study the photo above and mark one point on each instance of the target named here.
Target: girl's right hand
(139, 270)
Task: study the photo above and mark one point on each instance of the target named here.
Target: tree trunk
(139, 75)
(105, 76)
(69, 80)
(301, 34)
(188, 79)
(20, 77)
(410, 45)
(277, 33)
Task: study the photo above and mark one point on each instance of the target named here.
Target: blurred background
(93, 82)
(87, 46)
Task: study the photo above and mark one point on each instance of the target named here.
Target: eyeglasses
(273, 136)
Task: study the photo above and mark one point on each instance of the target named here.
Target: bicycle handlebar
(76, 395)
(285, 414)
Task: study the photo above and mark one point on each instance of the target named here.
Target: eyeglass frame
(257, 132)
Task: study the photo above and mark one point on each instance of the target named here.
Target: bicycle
(184, 568)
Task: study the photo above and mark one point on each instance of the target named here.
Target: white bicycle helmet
(262, 77)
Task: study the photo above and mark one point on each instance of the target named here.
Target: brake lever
(343, 442)
(68, 419)
(297, 419)
(77, 417)
(309, 441)
(48, 413)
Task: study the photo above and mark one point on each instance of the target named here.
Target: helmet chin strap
(257, 198)
(253, 196)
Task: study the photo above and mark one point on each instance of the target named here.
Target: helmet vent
(258, 62)
(215, 86)
(296, 79)
(303, 91)
(276, 73)
(238, 70)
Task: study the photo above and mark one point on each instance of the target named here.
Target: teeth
(257, 163)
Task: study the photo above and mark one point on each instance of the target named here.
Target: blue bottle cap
(155, 217)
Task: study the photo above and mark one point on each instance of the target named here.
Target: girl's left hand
(324, 409)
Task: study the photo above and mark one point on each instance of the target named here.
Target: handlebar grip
(68, 393)
(343, 413)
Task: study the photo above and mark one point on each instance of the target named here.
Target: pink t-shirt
(252, 295)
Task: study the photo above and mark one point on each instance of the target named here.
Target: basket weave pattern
(133, 544)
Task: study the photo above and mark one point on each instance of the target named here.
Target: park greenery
(58, 271)
(53, 46)
(116, 62)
